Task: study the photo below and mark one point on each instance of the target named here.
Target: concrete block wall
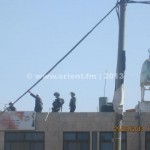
(57, 123)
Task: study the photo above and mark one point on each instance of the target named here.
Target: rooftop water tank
(145, 73)
(102, 101)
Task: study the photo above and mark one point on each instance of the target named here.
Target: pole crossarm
(140, 2)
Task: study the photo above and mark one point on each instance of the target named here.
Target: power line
(72, 49)
(142, 2)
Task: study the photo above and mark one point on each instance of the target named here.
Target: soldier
(58, 102)
(72, 103)
(11, 107)
(38, 102)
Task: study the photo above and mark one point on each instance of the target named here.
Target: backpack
(62, 101)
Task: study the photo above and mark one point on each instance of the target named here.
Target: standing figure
(72, 103)
(58, 102)
(11, 107)
(38, 102)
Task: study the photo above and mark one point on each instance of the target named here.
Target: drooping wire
(73, 48)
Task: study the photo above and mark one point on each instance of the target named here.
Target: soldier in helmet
(11, 107)
(38, 102)
(72, 103)
(58, 102)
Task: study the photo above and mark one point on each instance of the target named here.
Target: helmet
(56, 94)
(38, 95)
(72, 93)
(10, 103)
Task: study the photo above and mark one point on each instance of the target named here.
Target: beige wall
(57, 123)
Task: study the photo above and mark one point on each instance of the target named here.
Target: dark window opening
(24, 140)
(94, 140)
(76, 141)
(107, 141)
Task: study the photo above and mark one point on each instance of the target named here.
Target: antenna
(105, 83)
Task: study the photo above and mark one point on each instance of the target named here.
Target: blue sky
(35, 34)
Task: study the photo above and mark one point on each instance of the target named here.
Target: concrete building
(79, 131)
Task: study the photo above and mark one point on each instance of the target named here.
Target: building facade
(79, 131)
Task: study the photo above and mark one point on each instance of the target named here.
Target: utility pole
(119, 116)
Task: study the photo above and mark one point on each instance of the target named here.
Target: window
(124, 141)
(94, 140)
(106, 141)
(24, 141)
(76, 141)
(147, 140)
